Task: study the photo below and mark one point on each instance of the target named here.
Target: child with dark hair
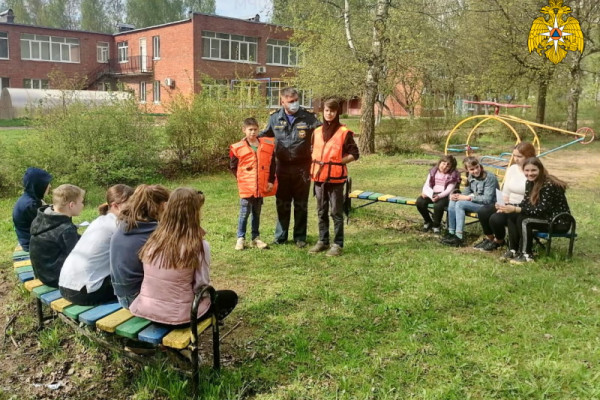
(441, 180)
(36, 183)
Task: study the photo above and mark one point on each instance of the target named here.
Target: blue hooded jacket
(35, 182)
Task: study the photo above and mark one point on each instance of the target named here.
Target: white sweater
(514, 184)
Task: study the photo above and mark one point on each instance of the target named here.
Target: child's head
(145, 205)
(68, 199)
(473, 166)
(331, 109)
(116, 196)
(523, 151)
(178, 238)
(250, 128)
(447, 164)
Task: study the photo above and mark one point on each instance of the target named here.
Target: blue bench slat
(49, 297)
(154, 333)
(26, 276)
(90, 317)
(365, 195)
(544, 235)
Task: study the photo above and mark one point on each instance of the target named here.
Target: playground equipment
(583, 135)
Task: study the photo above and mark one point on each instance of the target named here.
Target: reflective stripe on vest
(327, 157)
(253, 167)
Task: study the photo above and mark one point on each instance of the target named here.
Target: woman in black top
(544, 198)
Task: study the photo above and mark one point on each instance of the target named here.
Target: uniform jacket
(327, 157)
(167, 293)
(293, 141)
(254, 168)
(53, 236)
(35, 182)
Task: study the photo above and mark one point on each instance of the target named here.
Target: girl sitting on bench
(176, 262)
(544, 198)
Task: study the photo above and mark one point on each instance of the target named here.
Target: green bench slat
(40, 290)
(74, 311)
(132, 327)
(20, 255)
(154, 333)
(399, 200)
(49, 297)
(91, 316)
(364, 195)
(25, 276)
(375, 196)
(20, 270)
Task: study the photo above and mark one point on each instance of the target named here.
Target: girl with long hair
(176, 261)
(544, 199)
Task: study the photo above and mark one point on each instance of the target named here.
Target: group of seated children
(146, 249)
(531, 198)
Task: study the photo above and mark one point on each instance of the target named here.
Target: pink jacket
(166, 295)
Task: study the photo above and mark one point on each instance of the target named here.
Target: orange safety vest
(327, 157)
(253, 167)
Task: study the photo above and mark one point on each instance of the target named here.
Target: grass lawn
(398, 316)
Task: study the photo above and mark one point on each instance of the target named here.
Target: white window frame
(274, 90)
(32, 83)
(282, 52)
(102, 52)
(4, 39)
(156, 92)
(143, 92)
(4, 82)
(156, 47)
(123, 51)
(50, 48)
(229, 47)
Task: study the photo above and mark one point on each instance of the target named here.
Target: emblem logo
(555, 35)
(302, 134)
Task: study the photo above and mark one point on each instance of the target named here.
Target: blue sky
(244, 8)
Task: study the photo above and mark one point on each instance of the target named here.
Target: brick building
(202, 52)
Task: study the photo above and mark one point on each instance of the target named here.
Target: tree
(142, 13)
(94, 16)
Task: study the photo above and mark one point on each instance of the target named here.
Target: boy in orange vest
(253, 164)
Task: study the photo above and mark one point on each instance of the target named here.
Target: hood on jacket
(35, 182)
(142, 228)
(47, 219)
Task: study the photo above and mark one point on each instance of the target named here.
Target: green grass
(398, 316)
(14, 122)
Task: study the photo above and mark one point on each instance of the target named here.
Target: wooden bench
(118, 324)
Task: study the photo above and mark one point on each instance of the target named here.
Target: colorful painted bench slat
(91, 316)
(375, 196)
(132, 327)
(180, 338)
(20, 255)
(385, 197)
(25, 276)
(20, 270)
(60, 304)
(154, 333)
(365, 195)
(30, 285)
(40, 290)
(49, 297)
(22, 263)
(110, 322)
(73, 311)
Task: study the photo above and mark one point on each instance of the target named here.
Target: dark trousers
(104, 294)
(330, 199)
(438, 210)
(520, 231)
(294, 186)
(492, 222)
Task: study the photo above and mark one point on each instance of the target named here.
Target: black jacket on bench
(53, 236)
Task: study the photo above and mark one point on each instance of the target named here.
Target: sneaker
(509, 255)
(447, 236)
(259, 244)
(491, 245)
(426, 227)
(455, 241)
(334, 251)
(482, 244)
(319, 247)
(523, 258)
(300, 244)
(241, 242)
(436, 231)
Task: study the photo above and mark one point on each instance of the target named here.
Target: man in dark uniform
(292, 127)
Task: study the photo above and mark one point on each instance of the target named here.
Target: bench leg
(216, 344)
(571, 243)
(548, 245)
(40, 314)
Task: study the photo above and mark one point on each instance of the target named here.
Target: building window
(123, 50)
(4, 82)
(143, 92)
(35, 83)
(273, 91)
(4, 45)
(156, 47)
(281, 52)
(223, 46)
(49, 48)
(102, 52)
(156, 92)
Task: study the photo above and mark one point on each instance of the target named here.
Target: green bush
(103, 145)
(406, 136)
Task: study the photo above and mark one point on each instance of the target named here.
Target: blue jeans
(249, 206)
(457, 211)
(126, 301)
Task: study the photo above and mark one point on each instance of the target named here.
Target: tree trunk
(541, 100)
(366, 140)
(573, 96)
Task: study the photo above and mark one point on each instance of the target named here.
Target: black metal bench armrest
(562, 215)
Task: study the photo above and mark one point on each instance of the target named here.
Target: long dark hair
(144, 205)
(542, 178)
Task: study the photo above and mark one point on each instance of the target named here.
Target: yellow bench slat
(110, 322)
(18, 248)
(60, 304)
(180, 338)
(22, 263)
(385, 197)
(30, 285)
(411, 202)
(355, 194)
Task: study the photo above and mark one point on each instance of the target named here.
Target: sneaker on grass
(454, 241)
(491, 245)
(509, 255)
(523, 258)
(318, 247)
(259, 244)
(241, 242)
(482, 243)
(334, 251)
